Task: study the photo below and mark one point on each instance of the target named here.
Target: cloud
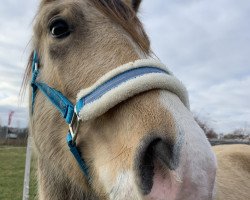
(15, 22)
(227, 103)
(206, 43)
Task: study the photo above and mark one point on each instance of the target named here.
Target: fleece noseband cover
(124, 82)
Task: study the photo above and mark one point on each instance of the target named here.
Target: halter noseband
(113, 88)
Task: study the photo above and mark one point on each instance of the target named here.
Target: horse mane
(120, 13)
(26, 76)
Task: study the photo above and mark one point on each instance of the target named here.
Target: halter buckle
(74, 127)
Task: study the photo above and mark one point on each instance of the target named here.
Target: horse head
(148, 146)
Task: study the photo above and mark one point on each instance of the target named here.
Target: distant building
(13, 133)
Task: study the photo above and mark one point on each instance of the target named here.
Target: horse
(143, 145)
(233, 174)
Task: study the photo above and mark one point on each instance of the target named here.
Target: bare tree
(210, 133)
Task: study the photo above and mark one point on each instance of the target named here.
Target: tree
(236, 134)
(210, 133)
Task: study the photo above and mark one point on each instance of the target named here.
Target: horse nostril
(164, 152)
(156, 151)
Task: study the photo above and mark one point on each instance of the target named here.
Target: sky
(206, 43)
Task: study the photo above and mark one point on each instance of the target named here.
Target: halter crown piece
(111, 89)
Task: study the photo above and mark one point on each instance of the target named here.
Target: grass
(12, 165)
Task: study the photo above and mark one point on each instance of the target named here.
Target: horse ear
(135, 4)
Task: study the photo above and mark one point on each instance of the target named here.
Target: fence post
(27, 171)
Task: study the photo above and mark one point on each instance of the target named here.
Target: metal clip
(36, 66)
(74, 126)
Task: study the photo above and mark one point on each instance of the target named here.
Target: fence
(215, 142)
(19, 140)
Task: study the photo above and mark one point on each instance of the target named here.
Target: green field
(12, 164)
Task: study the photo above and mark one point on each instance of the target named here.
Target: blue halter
(70, 112)
(64, 106)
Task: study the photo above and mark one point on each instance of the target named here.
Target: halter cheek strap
(111, 89)
(64, 106)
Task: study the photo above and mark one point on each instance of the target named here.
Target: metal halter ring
(74, 127)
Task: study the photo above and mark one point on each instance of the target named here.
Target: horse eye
(59, 29)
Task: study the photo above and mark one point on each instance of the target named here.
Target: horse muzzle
(155, 165)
